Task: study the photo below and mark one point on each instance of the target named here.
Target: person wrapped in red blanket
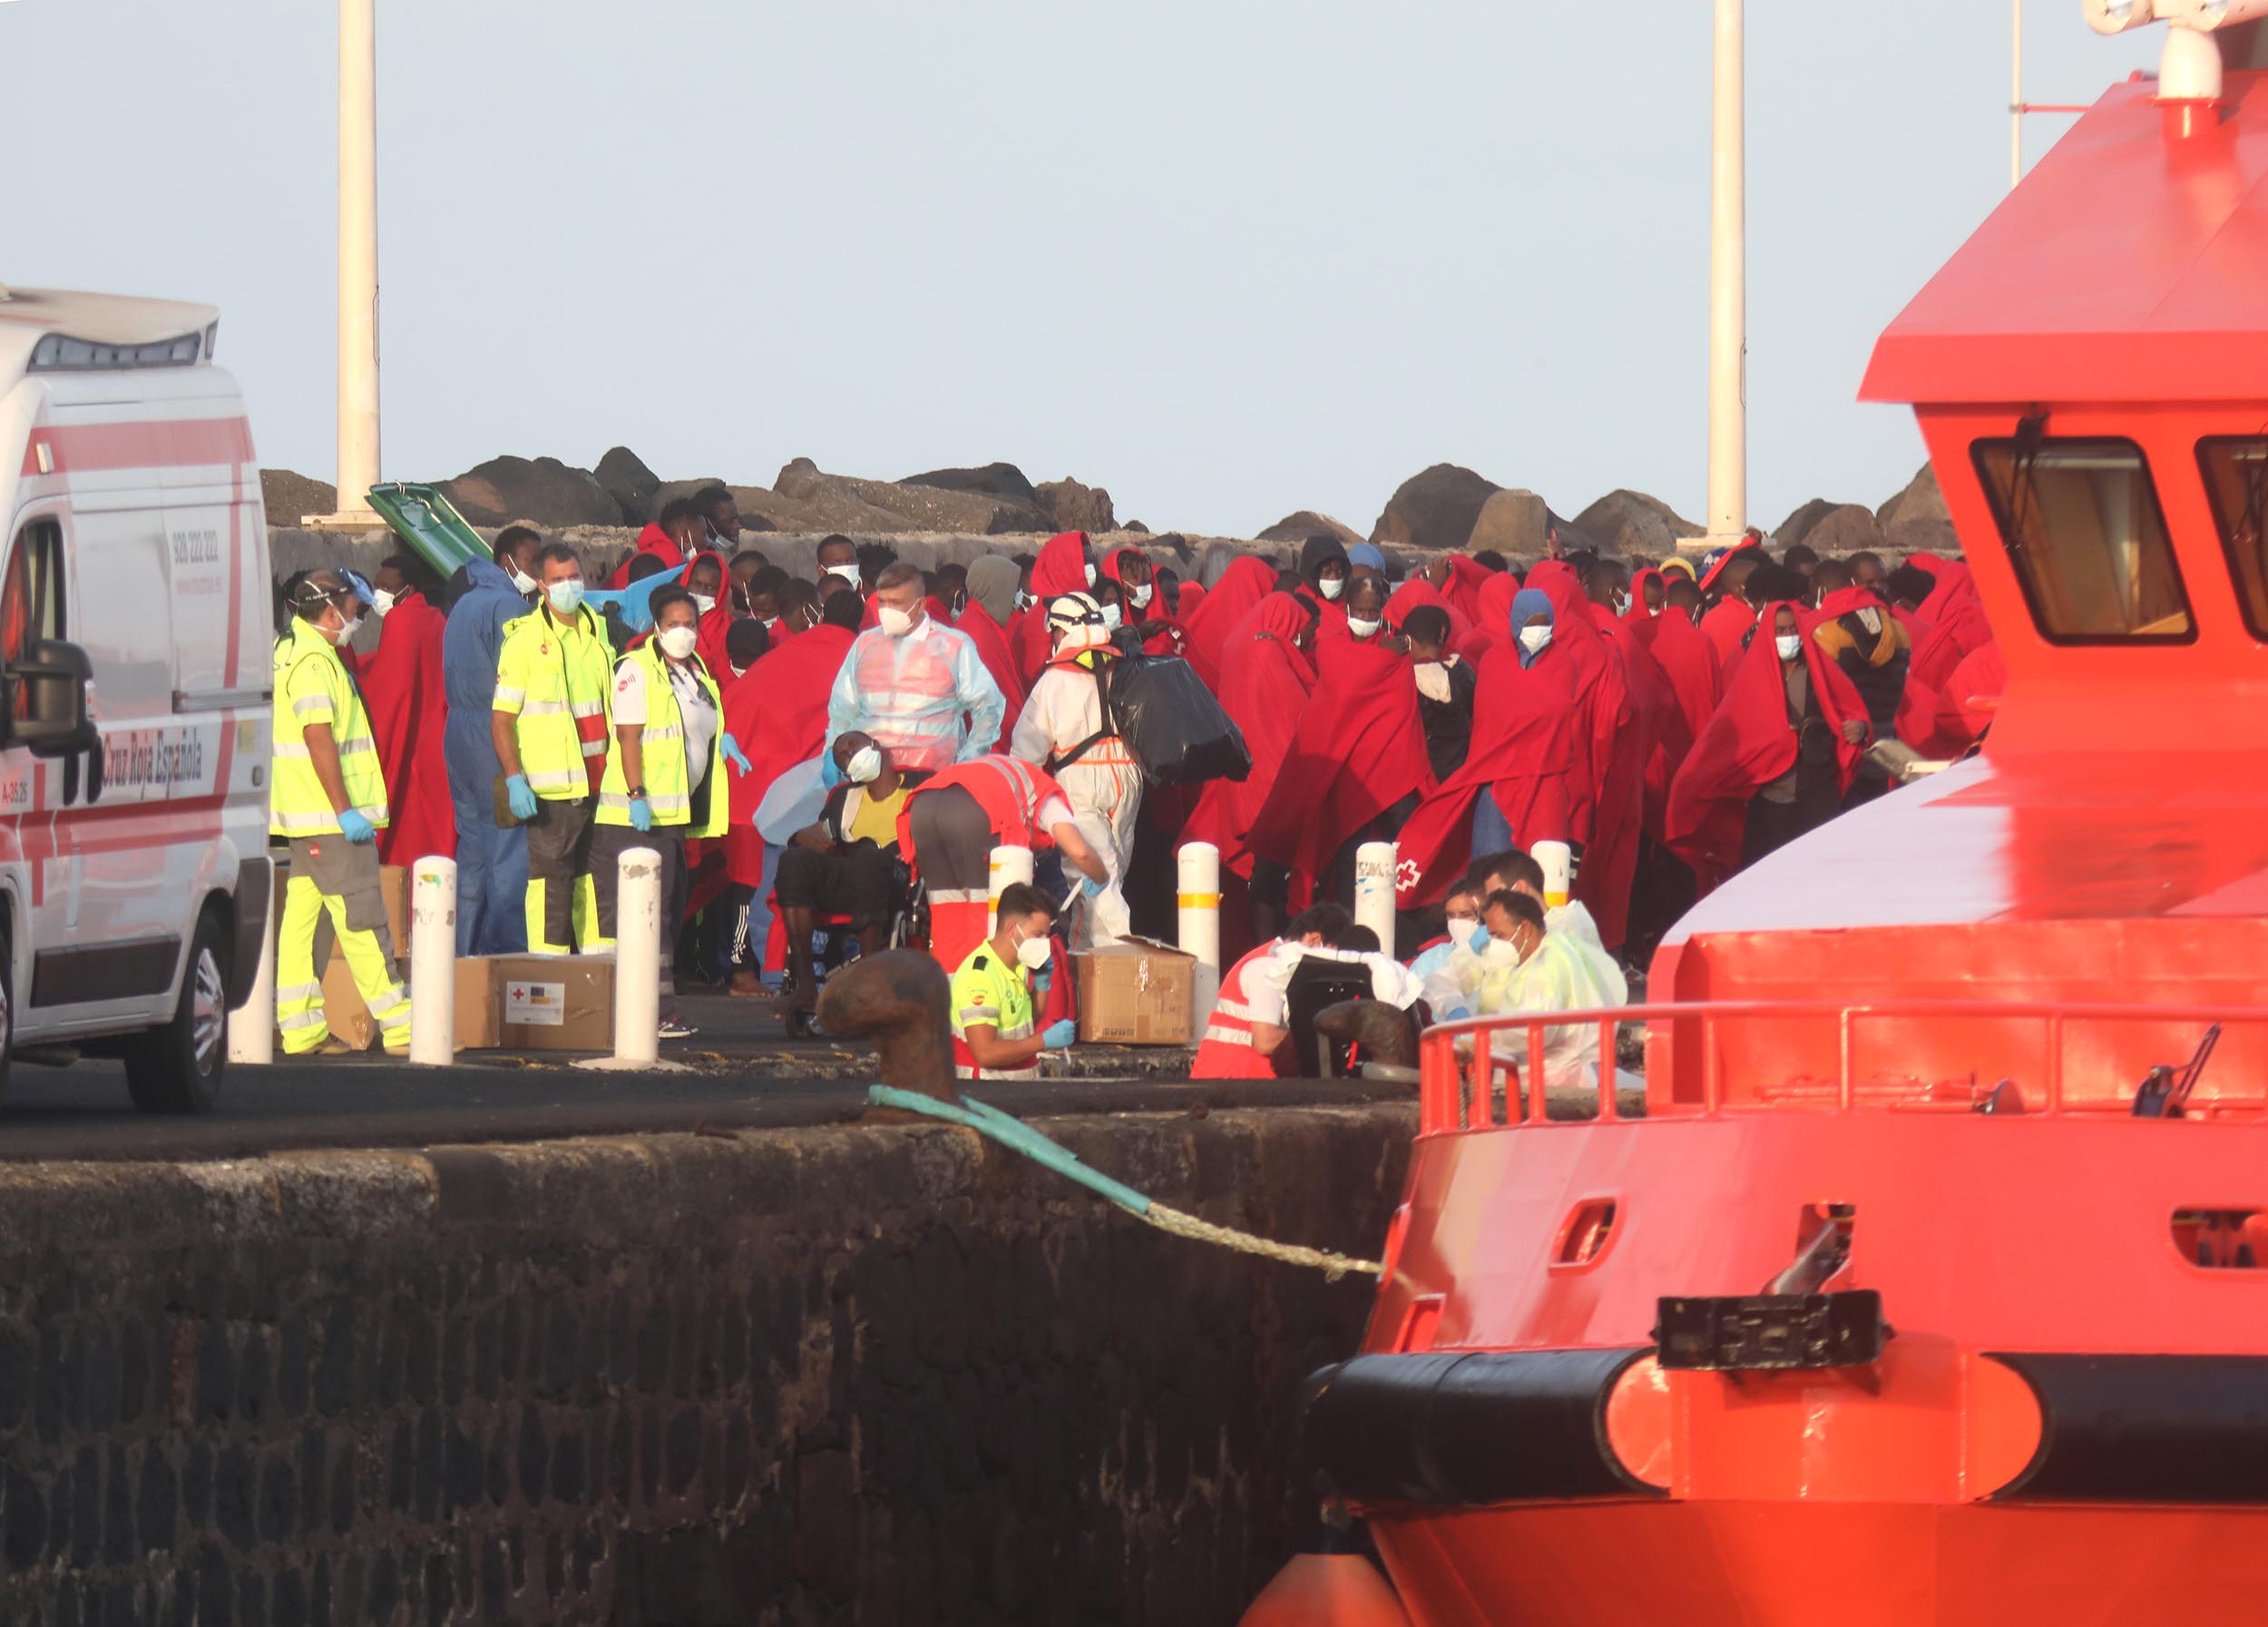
(402, 688)
(1776, 759)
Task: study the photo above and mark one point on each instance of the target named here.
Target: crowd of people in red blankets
(1659, 726)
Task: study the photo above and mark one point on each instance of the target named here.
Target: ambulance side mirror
(48, 703)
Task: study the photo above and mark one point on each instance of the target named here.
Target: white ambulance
(136, 651)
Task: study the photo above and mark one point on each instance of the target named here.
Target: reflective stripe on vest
(298, 805)
(661, 752)
(557, 682)
(1231, 1022)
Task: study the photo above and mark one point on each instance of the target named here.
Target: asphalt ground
(741, 1072)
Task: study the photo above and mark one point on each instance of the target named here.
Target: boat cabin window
(2081, 522)
(2235, 468)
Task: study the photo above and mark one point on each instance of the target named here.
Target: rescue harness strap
(1018, 1136)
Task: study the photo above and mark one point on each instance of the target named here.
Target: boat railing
(1471, 1072)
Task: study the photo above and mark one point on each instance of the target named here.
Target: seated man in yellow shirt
(993, 1011)
(846, 863)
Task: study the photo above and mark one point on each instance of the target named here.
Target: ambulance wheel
(177, 1068)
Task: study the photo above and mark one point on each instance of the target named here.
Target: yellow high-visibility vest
(312, 687)
(669, 784)
(554, 680)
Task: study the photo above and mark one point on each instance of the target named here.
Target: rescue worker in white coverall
(1064, 730)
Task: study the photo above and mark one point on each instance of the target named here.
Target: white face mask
(1110, 618)
(894, 622)
(1140, 595)
(1462, 932)
(847, 572)
(522, 583)
(1331, 587)
(865, 767)
(380, 602)
(565, 596)
(1789, 645)
(677, 642)
(1024, 600)
(1533, 639)
(1653, 610)
(1502, 952)
(346, 632)
(1034, 952)
(1091, 576)
(768, 622)
(1621, 603)
(704, 602)
(1363, 627)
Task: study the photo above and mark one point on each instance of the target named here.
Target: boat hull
(1644, 1562)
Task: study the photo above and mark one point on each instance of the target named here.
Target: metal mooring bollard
(252, 1026)
(432, 961)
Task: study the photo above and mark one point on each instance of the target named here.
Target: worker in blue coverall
(492, 863)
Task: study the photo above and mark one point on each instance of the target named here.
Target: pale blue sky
(1228, 258)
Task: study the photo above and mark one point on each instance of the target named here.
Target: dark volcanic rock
(1845, 529)
(910, 507)
(1797, 526)
(1436, 508)
(1919, 534)
(289, 497)
(545, 491)
(1071, 507)
(629, 483)
(1921, 500)
(1627, 523)
(994, 480)
(1298, 527)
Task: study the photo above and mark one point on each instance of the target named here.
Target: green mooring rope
(1020, 1137)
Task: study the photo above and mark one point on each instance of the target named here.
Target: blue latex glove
(830, 771)
(732, 749)
(640, 814)
(355, 828)
(1480, 941)
(1088, 887)
(1060, 1035)
(521, 797)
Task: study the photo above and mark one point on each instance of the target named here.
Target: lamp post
(358, 269)
(1728, 291)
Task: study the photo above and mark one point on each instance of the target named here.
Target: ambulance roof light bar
(60, 353)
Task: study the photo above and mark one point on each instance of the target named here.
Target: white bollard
(637, 957)
(1373, 890)
(433, 961)
(1009, 866)
(252, 1026)
(1558, 861)
(1199, 931)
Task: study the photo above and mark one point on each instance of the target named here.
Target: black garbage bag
(1170, 721)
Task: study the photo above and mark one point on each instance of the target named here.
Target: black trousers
(855, 882)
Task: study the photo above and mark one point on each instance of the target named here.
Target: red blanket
(1264, 690)
(1748, 744)
(776, 711)
(1241, 587)
(1359, 749)
(1417, 591)
(1526, 753)
(992, 648)
(655, 541)
(1061, 568)
(402, 688)
(1726, 623)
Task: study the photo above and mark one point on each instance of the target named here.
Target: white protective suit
(1564, 974)
(1104, 787)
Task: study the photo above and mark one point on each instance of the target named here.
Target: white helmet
(1075, 623)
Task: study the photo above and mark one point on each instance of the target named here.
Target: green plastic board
(430, 524)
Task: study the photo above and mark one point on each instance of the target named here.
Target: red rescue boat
(1926, 1280)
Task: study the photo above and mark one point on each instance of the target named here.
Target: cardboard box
(551, 1001)
(1136, 992)
(343, 1014)
(476, 1003)
(394, 887)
